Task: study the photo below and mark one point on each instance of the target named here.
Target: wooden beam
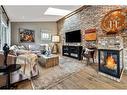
(74, 12)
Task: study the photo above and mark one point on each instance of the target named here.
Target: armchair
(88, 53)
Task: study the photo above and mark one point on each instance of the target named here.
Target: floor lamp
(55, 40)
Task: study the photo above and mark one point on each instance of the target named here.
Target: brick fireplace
(110, 57)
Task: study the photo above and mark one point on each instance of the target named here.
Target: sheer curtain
(4, 32)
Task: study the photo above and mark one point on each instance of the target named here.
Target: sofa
(27, 57)
(26, 48)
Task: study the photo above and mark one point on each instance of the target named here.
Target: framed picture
(26, 35)
(90, 35)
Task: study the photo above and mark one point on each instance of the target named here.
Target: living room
(81, 49)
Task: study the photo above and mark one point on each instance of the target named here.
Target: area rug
(51, 76)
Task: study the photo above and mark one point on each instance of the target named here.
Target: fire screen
(110, 62)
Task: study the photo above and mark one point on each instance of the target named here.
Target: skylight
(56, 11)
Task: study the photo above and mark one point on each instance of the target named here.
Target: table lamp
(55, 40)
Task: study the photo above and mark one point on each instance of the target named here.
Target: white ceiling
(35, 13)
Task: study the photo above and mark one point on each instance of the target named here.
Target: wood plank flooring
(88, 78)
(25, 85)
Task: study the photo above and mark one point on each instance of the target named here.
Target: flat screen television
(73, 36)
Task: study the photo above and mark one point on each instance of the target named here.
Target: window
(3, 34)
(5, 31)
(45, 36)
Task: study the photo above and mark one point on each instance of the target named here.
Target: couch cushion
(14, 47)
(34, 47)
(21, 47)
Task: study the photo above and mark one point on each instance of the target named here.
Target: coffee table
(48, 61)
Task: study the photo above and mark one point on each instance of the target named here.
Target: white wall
(37, 26)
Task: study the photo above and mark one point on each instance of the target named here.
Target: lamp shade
(55, 38)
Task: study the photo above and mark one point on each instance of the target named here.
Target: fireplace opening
(110, 62)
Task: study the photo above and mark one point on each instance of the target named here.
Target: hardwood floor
(88, 78)
(25, 85)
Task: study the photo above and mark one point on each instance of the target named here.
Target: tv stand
(72, 51)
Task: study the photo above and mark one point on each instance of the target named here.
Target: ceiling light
(55, 11)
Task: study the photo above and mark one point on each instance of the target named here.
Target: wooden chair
(88, 53)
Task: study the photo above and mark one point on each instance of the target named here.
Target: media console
(72, 51)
